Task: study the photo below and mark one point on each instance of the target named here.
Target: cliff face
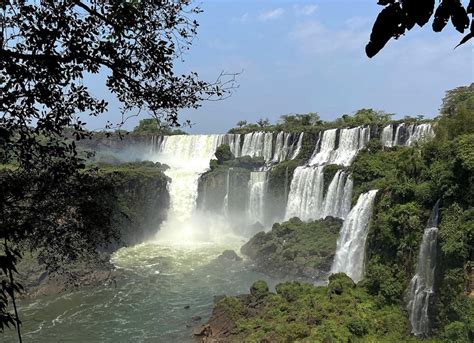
(139, 200)
(142, 201)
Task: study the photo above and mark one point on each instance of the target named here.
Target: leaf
(459, 16)
(389, 23)
(441, 17)
(418, 11)
(465, 39)
(470, 7)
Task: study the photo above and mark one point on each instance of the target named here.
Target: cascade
(306, 193)
(350, 250)
(187, 156)
(346, 198)
(232, 140)
(421, 289)
(419, 132)
(227, 193)
(262, 144)
(257, 189)
(337, 195)
(296, 149)
(387, 136)
(307, 201)
(327, 144)
(331, 150)
(405, 134)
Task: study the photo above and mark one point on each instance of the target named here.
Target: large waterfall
(339, 146)
(350, 251)
(187, 157)
(421, 289)
(405, 134)
(307, 201)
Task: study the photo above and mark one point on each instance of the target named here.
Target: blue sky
(308, 56)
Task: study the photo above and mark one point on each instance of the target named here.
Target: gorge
(301, 201)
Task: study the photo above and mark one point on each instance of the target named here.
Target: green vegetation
(295, 248)
(113, 205)
(410, 181)
(223, 154)
(153, 126)
(340, 312)
(312, 123)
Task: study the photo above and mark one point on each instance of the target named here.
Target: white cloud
(271, 15)
(241, 19)
(305, 10)
(314, 37)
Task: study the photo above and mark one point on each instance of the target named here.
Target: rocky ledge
(295, 248)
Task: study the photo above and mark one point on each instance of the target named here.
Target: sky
(308, 56)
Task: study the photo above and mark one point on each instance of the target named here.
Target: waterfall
(187, 157)
(257, 144)
(327, 144)
(420, 132)
(405, 134)
(257, 189)
(227, 193)
(346, 198)
(350, 250)
(339, 146)
(337, 196)
(306, 199)
(387, 136)
(421, 288)
(262, 144)
(297, 148)
(306, 193)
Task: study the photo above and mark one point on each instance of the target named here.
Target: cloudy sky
(308, 56)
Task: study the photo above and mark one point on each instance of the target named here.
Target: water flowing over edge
(421, 288)
(350, 250)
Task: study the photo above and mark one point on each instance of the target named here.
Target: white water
(350, 142)
(337, 201)
(261, 144)
(257, 189)
(419, 132)
(421, 288)
(188, 157)
(307, 201)
(350, 250)
(405, 134)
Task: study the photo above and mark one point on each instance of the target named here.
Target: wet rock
(186, 307)
(196, 318)
(202, 331)
(229, 255)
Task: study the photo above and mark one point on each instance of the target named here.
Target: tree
(263, 122)
(153, 126)
(457, 113)
(399, 16)
(454, 98)
(241, 123)
(46, 50)
(223, 153)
